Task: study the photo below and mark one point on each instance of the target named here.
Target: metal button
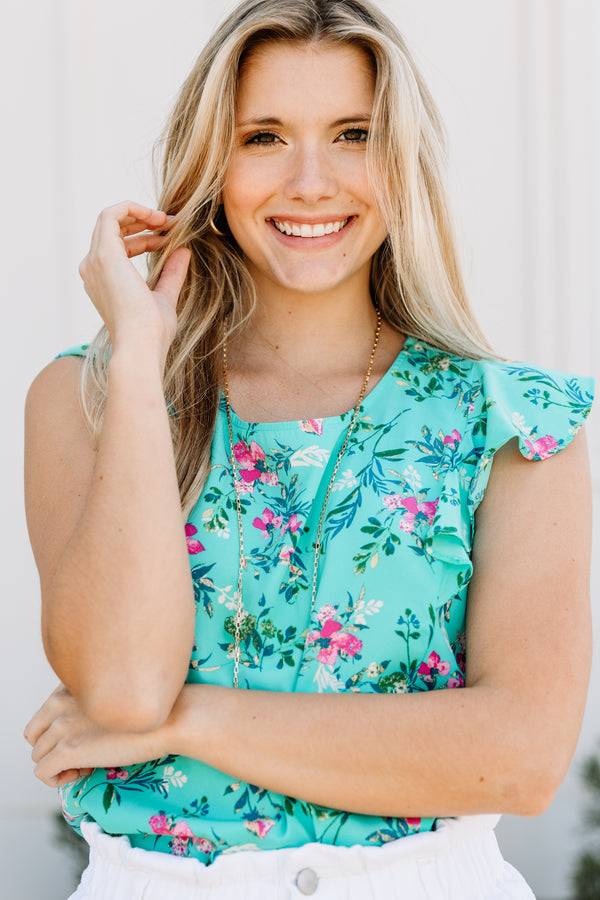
(307, 881)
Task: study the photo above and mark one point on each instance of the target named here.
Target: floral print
(390, 609)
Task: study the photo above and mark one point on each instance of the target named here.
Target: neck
(311, 333)
(306, 357)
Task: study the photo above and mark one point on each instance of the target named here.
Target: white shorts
(459, 861)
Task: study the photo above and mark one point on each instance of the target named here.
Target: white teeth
(309, 231)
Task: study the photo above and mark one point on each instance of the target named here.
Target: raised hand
(134, 314)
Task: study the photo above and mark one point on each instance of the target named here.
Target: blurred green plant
(586, 874)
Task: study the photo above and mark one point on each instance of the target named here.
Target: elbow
(127, 709)
(532, 788)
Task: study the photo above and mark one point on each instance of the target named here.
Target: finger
(111, 219)
(44, 744)
(70, 775)
(134, 226)
(126, 214)
(173, 273)
(138, 227)
(37, 725)
(143, 244)
(59, 700)
(52, 779)
(57, 760)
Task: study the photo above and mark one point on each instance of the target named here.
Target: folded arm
(502, 743)
(105, 523)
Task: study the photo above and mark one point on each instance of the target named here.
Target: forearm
(446, 752)
(119, 616)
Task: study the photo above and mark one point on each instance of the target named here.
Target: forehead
(283, 79)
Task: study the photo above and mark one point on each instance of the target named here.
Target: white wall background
(86, 85)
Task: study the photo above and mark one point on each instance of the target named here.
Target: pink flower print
(268, 523)
(415, 824)
(250, 463)
(327, 655)
(194, 546)
(203, 845)
(293, 523)
(346, 643)
(111, 774)
(259, 827)
(182, 830)
(159, 824)
(312, 426)
(427, 508)
(407, 524)
(331, 635)
(329, 628)
(121, 774)
(541, 448)
(433, 667)
(454, 439)
(392, 501)
(326, 612)
(455, 681)
(180, 846)
(285, 553)
(243, 456)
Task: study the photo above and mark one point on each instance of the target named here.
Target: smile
(302, 229)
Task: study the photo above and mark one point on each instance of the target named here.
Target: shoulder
(59, 457)
(56, 388)
(55, 424)
(58, 383)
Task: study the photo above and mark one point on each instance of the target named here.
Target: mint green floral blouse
(389, 615)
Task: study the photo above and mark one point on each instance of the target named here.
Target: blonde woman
(362, 640)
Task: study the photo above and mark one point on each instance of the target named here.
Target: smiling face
(297, 197)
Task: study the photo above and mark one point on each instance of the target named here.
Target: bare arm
(105, 525)
(500, 744)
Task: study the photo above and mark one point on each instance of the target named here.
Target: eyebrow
(271, 121)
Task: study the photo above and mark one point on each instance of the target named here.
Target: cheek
(248, 186)
(238, 196)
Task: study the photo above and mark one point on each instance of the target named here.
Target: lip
(324, 240)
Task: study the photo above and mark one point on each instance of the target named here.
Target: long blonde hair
(416, 277)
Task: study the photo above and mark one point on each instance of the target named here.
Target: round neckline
(409, 342)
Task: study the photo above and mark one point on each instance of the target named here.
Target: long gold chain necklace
(239, 612)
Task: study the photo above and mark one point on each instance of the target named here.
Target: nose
(311, 177)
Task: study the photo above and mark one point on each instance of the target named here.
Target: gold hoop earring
(214, 228)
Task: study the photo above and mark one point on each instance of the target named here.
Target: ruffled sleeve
(544, 409)
(77, 350)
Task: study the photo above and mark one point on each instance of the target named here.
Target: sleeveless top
(389, 614)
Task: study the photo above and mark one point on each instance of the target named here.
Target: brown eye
(354, 135)
(262, 137)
